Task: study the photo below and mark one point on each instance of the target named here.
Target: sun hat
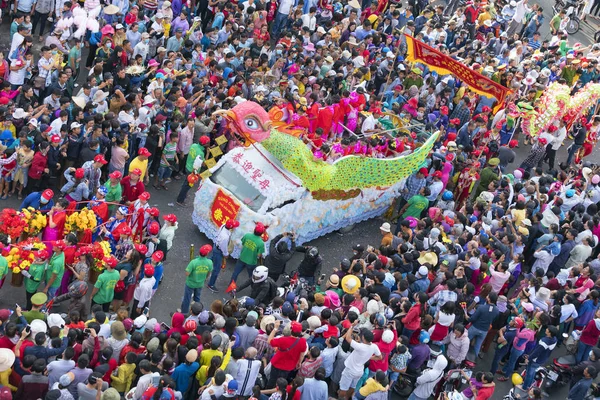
(385, 227)
(7, 359)
(350, 284)
(117, 330)
(428, 258)
(265, 321)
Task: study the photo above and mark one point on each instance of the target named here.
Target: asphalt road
(333, 247)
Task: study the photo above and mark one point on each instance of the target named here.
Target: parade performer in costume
(112, 230)
(466, 181)
(99, 206)
(139, 216)
(55, 227)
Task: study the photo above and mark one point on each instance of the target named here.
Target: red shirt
(287, 355)
(131, 192)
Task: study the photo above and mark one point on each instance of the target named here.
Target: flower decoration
(12, 223)
(20, 257)
(36, 221)
(81, 220)
(98, 251)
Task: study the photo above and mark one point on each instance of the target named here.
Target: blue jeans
(239, 266)
(185, 188)
(187, 296)
(509, 367)
(583, 351)
(280, 22)
(572, 151)
(52, 292)
(479, 335)
(530, 374)
(499, 355)
(217, 259)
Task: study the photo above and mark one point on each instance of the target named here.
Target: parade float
(273, 178)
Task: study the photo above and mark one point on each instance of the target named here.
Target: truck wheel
(347, 229)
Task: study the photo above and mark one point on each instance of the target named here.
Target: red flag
(232, 286)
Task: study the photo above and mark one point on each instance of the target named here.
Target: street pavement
(332, 247)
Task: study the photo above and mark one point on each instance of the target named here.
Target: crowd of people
(98, 101)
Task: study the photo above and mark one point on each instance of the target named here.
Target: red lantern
(192, 179)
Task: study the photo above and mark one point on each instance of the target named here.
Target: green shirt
(252, 247)
(416, 205)
(3, 267)
(35, 314)
(57, 266)
(74, 55)
(106, 286)
(168, 154)
(114, 194)
(198, 270)
(37, 274)
(195, 151)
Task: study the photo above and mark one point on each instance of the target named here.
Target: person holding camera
(280, 254)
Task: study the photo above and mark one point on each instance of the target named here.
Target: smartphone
(165, 326)
(28, 329)
(146, 311)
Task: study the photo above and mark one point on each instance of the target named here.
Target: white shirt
(309, 22)
(362, 353)
(369, 124)
(285, 6)
(222, 241)
(142, 49)
(143, 292)
(567, 311)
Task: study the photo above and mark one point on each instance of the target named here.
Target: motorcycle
(516, 393)
(559, 372)
(573, 9)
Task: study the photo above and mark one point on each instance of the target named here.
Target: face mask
(279, 52)
(146, 41)
(43, 201)
(54, 52)
(108, 44)
(420, 115)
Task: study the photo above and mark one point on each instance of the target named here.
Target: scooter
(559, 372)
(516, 393)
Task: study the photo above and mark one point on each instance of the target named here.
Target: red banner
(445, 65)
(223, 208)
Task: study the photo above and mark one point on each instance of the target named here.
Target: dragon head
(249, 121)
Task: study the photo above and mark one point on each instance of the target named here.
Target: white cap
(75, 125)
(33, 122)
(119, 26)
(423, 271)
(321, 30)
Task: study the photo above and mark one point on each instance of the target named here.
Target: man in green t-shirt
(416, 204)
(35, 274)
(55, 270)
(196, 150)
(104, 289)
(253, 248)
(197, 271)
(3, 262)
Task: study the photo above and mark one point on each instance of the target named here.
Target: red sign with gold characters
(444, 65)
(223, 208)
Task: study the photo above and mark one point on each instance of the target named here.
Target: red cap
(141, 248)
(136, 171)
(41, 254)
(144, 196)
(204, 140)
(230, 224)
(144, 152)
(55, 139)
(437, 174)
(158, 256)
(552, 128)
(383, 259)
(519, 322)
(296, 327)
(542, 141)
(153, 228)
(110, 261)
(59, 244)
(397, 87)
(485, 109)
(116, 175)
(423, 171)
(48, 194)
(79, 173)
(154, 212)
(172, 218)
(450, 157)
(149, 269)
(126, 230)
(259, 229)
(444, 110)
(160, 118)
(376, 110)
(346, 324)
(204, 250)
(513, 143)
(190, 325)
(100, 158)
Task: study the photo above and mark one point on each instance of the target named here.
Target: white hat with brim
(350, 284)
(269, 319)
(20, 114)
(7, 359)
(99, 96)
(79, 101)
(429, 258)
(354, 4)
(111, 9)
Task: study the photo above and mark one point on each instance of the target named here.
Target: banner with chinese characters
(444, 65)
(223, 208)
